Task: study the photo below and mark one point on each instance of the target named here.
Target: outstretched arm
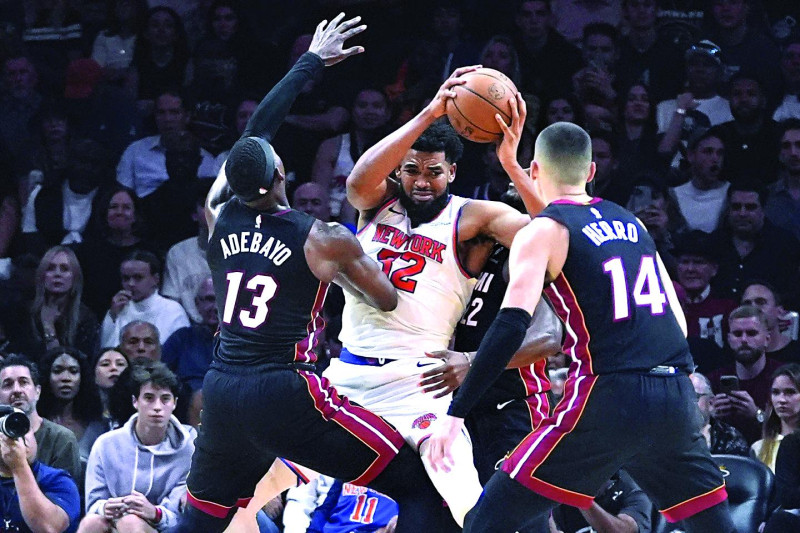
(507, 155)
(495, 220)
(335, 255)
(367, 185)
(326, 49)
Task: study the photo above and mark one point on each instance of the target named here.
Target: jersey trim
(378, 212)
(564, 201)
(561, 495)
(296, 470)
(691, 507)
(566, 306)
(304, 350)
(366, 426)
(461, 268)
(215, 509)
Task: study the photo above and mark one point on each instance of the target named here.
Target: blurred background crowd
(116, 115)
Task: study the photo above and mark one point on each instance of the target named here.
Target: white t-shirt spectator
(166, 315)
(701, 209)
(716, 108)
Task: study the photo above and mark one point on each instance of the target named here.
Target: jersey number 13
(263, 288)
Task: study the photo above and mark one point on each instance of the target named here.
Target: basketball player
(628, 400)
(517, 402)
(271, 267)
(430, 244)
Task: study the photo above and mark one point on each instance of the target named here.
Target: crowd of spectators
(115, 115)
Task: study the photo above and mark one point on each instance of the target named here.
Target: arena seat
(750, 485)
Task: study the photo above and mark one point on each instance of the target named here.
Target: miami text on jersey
(246, 241)
(399, 240)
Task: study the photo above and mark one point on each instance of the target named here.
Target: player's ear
(592, 169)
(452, 173)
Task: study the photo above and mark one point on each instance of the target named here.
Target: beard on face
(747, 355)
(420, 213)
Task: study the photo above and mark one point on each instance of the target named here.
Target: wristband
(470, 356)
(680, 111)
(159, 516)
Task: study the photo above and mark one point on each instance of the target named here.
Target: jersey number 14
(647, 289)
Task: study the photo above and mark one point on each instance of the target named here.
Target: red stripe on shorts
(538, 445)
(690, 507)
(364, 425)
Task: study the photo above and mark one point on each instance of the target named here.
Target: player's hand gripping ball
(488, 92)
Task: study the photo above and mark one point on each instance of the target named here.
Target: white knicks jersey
(433, 288)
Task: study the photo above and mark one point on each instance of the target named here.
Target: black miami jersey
(610, 293)
(484, 304)
(269, 300)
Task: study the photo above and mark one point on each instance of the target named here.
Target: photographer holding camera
(33, 496)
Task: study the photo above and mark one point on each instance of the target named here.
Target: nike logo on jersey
(420, 365)
(501, 405)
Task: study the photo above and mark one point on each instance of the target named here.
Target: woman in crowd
(56, 316)
(787, 487)
(70, 397)
(637, 145)
(783, 414)
(107, 369)
(225, 54)
(160, 55)
(118, 232)
(563, 108)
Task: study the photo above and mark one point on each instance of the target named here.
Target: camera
(14, 423)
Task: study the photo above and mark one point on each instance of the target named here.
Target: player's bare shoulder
(490, 219)
(329, 235)
(327, 245)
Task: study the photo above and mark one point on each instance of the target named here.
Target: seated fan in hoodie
(136, 474)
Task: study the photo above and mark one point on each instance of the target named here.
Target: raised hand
(329, 38)
(445, 92)
(686, 101)
(508, 145)
(13, 452)
(118, 303)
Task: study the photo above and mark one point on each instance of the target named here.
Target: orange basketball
(487, 92)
